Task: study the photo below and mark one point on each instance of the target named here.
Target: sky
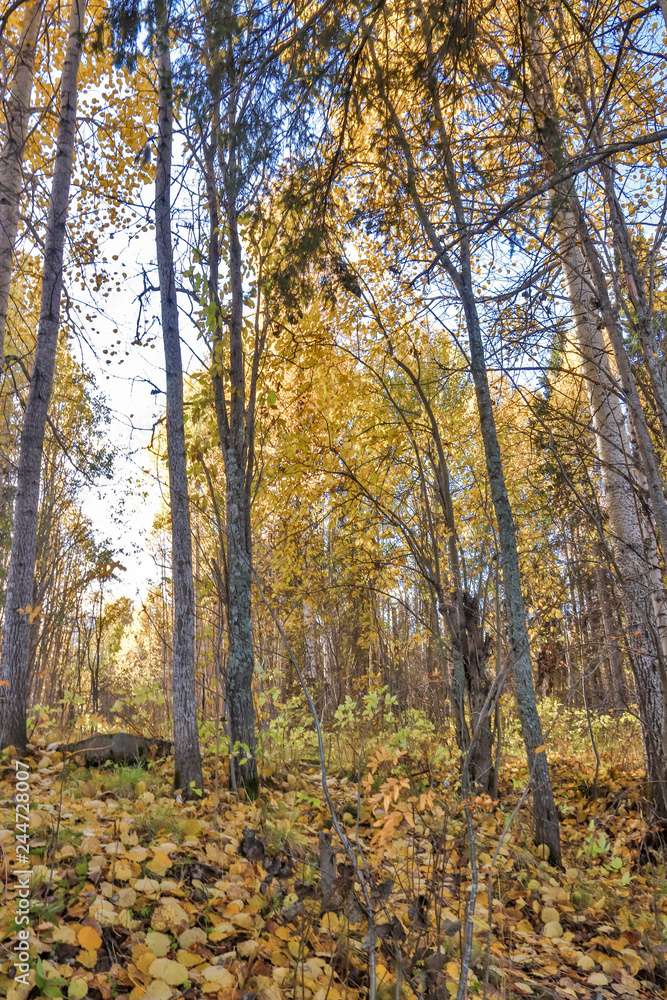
(123, 509)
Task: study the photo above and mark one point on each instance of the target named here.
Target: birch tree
(19, 610)
(593, 314)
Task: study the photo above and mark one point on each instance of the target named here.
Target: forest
(333, 499)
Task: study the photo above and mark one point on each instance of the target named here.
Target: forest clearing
(333, 521)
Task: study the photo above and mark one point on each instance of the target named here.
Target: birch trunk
(187, 759)
(626, 537)
(618, 692)
(11, 158)
(592, 311)
(643, 322)
(16, 638)
(310, 643)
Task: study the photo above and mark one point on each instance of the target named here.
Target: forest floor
(138, 895)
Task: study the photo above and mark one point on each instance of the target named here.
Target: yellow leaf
(149, 886)
(585, 963)
(193, 935)
(157, 990)
(89, 939)
(170, 972)
(188, 958)
(122, 872)
(191, 827)
(160, 856)
(158, 867)
(144, 961)
(222, 931)
(64, 934)
(632, 960)
(597, 979)
(77, 988)
(170, 915)
(222, 977)
(247, 949)
(284, 933)
(542, 747)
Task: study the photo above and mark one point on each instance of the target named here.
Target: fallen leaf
(171, 972)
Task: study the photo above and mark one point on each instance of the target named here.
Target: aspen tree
(459, 273)
(19, 611)
(187, 760)
(592, 312)
(11, 157)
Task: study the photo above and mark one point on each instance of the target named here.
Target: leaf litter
(141, 896)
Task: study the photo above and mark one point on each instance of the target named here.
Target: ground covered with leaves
(136, 895)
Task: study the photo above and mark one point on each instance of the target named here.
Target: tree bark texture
(187, 759)
(16, 638)
(11, 158)
(618, 693)
(592, 311)
(621, 502)
(234, 407)
(241, 661)
(547, 829)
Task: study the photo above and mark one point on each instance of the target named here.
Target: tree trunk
(621, 503)
(476, 650)
(547, 829)
(11, 158)
(241, 659)
(187, 760)
(236, 434)
(618, 693)
(591, 311)
(16, 638)
(310, 643)
(236, 431)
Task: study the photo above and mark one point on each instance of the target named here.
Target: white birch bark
(639, 594)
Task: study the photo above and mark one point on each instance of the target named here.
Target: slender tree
(187, 760)
(458, 268)
(16, 637)
(17, 114)
(592, 314)
(251, 92)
